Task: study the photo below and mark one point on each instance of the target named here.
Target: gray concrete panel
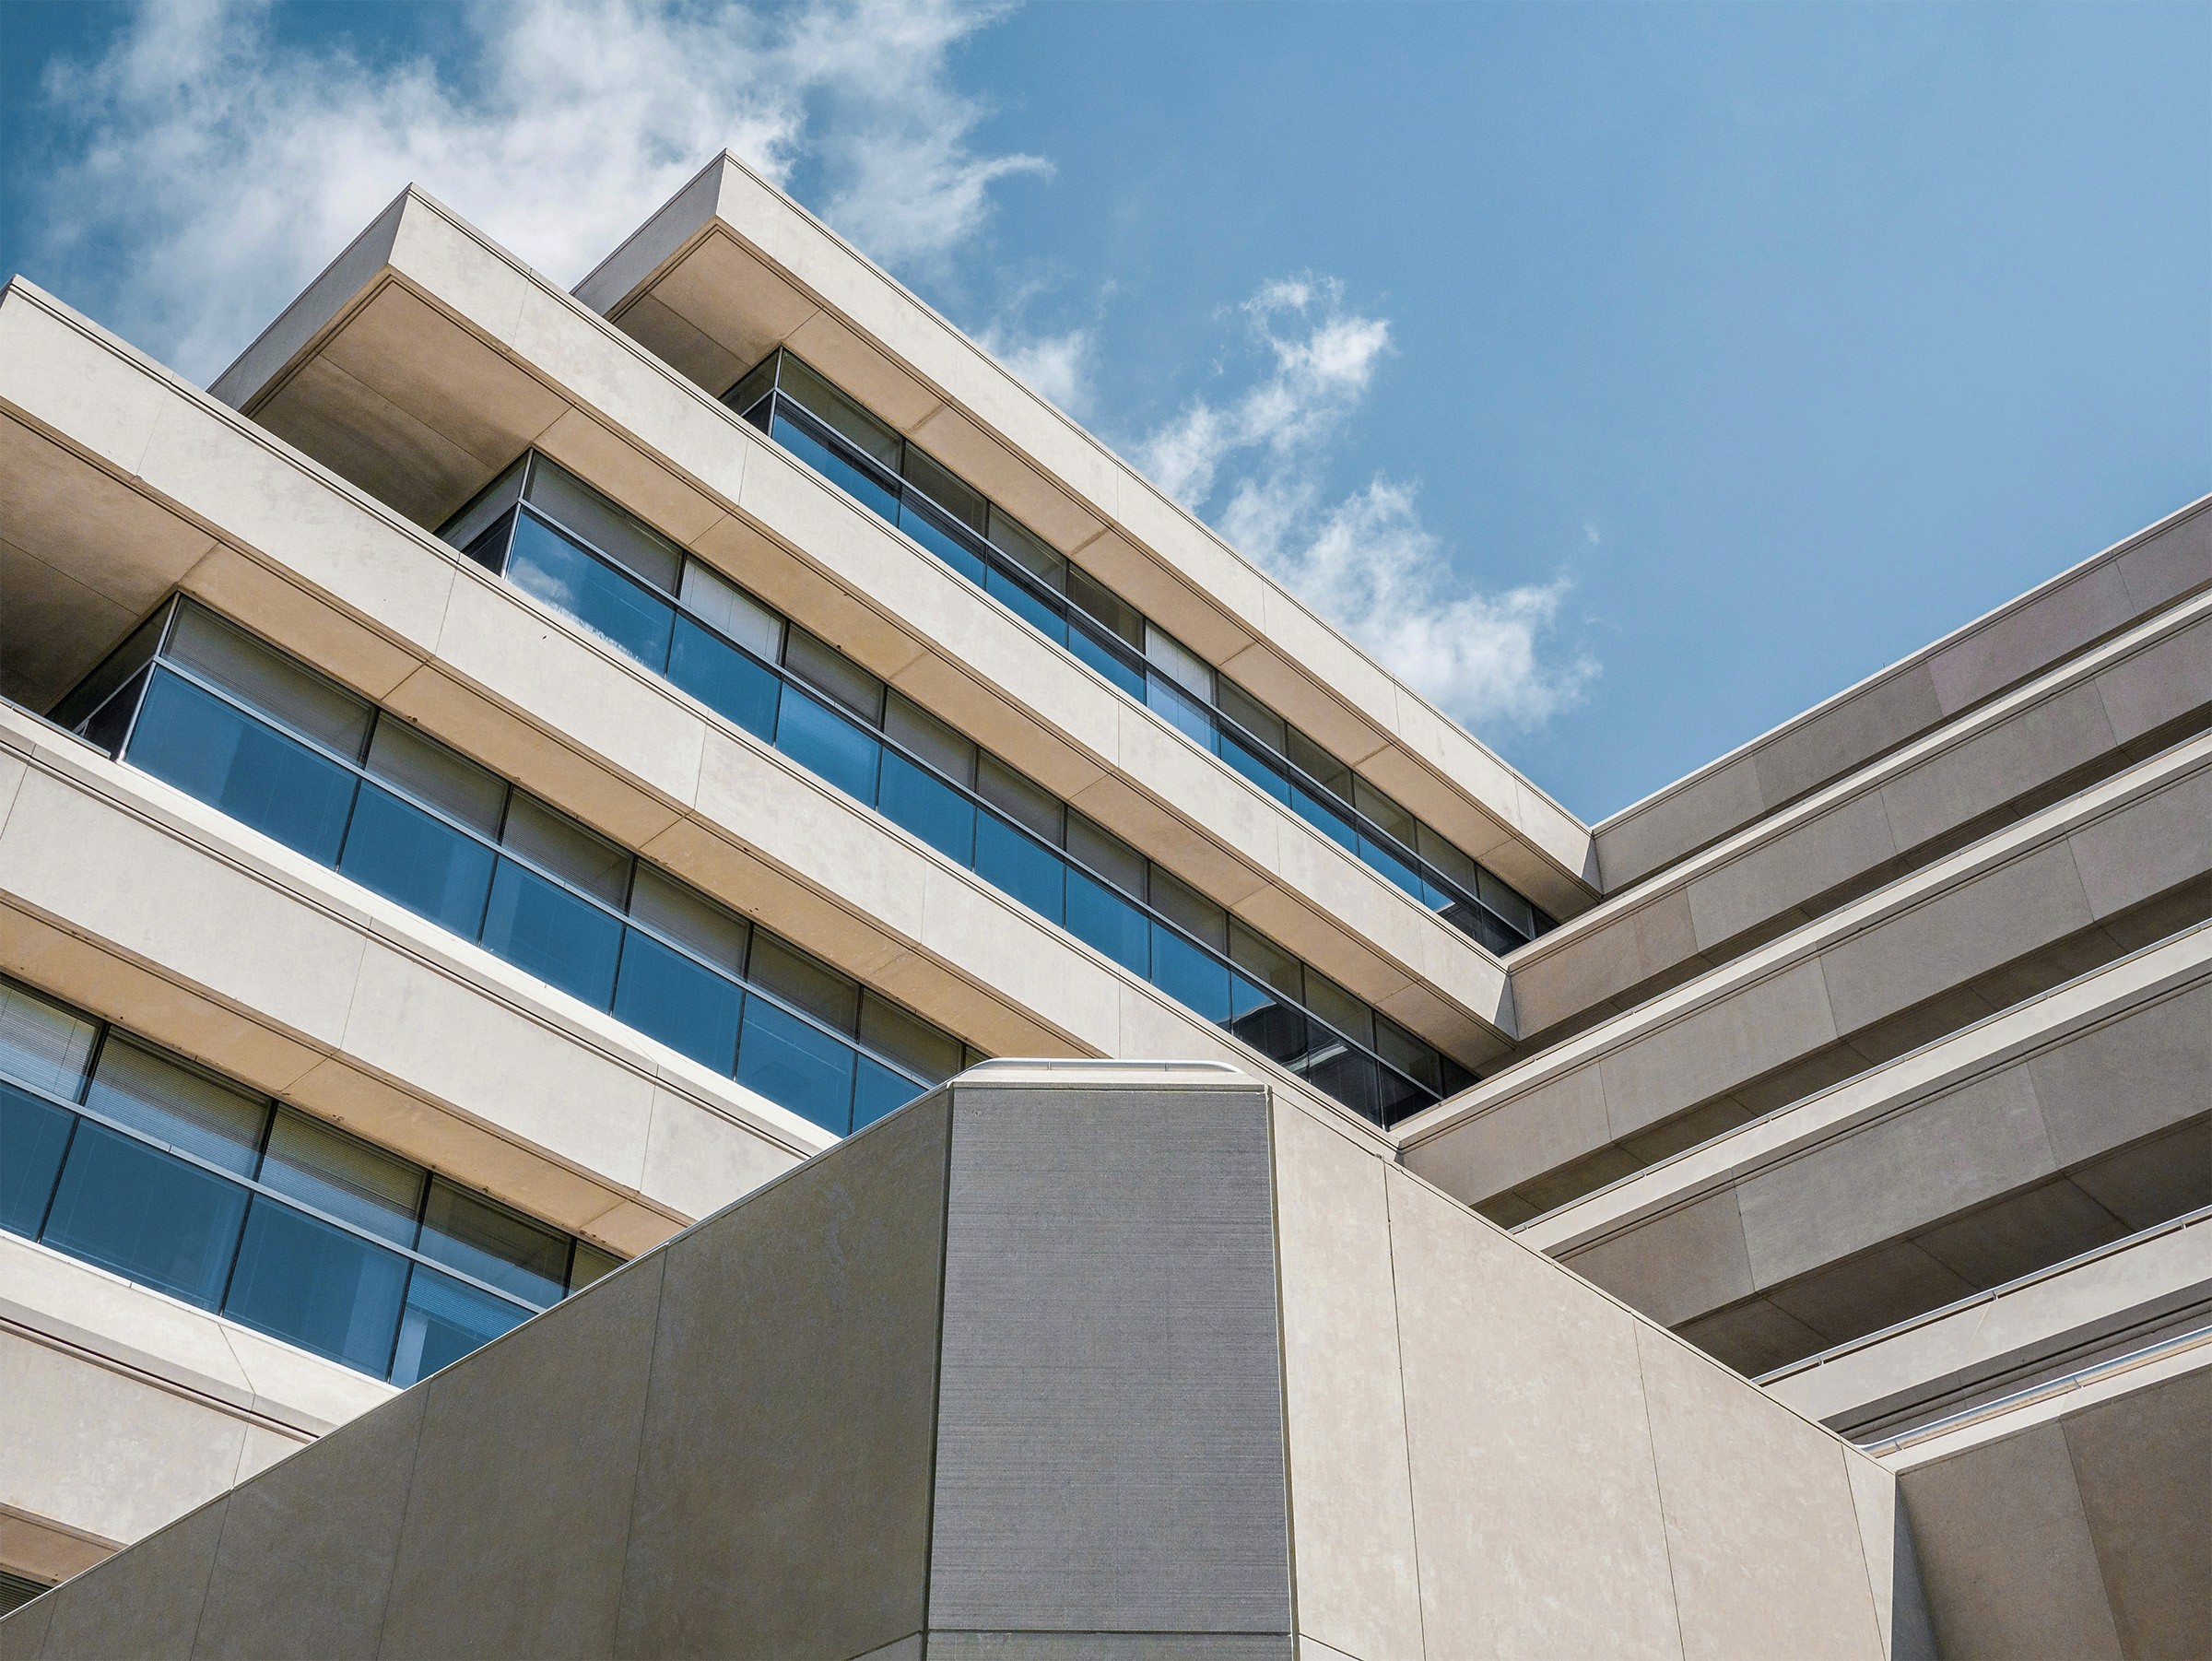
(1110, 1444)
(1956, 1151)
(1024, 1645)
(1641, 840)
(308, 1550)
(1748, 893)
(1845, 735)
(2005, 1553)
(2134, 1077)
(2172, 563)
(2004, 761)
(2052, 625)
(2159, 684)
(1956, 935)
(2147, 847)
(144, 1602)
(1680, 1263)
(797, 1342)
(2144, 1466)
(518, 1511)
(1718, 1045)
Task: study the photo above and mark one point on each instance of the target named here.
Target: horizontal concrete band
(731, 269)
(406, 622)
(2045, 880)
(142, 904)
(2120, 1057)
(2103, 594)
(2095, 710)
(2111, 1301)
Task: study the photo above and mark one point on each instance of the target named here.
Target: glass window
(1019, 799)
(107, 728)
(1250, 714)
(271, 683)
(487, 1242)
(591, 1264)
(1266, 1023)
(1108, 854)
(956, 497)
(494, 498)
(933, 531)
(430, 772)
(1029, 550)
(725, 679)
(796, 1066)
(907, 1040)
(177, 1105)
(788, 973)
(445, 1321)
(1179, 664)
(1103, 920)
(1411, 1055)
(1018, 868)
(723, 606)
(552, 933)
(1181, 903)
(1380, 856)
(320, 1288)
(1318, 812)
(876, 1091)
(1349, 1015)
(1506, 903)
(908, 723)
(1451, 864)
(824, 668)
(343, 1176)
(863, 486)
(1345, 1073)
(1265, 961)
(146, 1215)
(120, 666)
(690, 918)
(686, 1006)
(1190, 976)
(617, 608)
(42, 1043)
(207, 748)
(553, 839)
(831, 407)
(1182, 711)
(926, 805)
(1105, 659)
(1119, 617)
(620, 535)
(422, 862)
(33, 1136)
(1316, 762)
(1016, 597)
(1260, 769)
(827, 744)
(1383, 811)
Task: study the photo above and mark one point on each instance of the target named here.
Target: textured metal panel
(1109, 1443)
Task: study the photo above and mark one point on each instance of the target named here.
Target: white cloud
(1366, 561)
(1055, 365)
(212, 170)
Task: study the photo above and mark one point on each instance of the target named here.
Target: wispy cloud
(210, 169)
(1056, 365)
(1366, 561)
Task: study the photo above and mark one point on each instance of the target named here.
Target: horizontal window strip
(637, 591)
(118, 1153)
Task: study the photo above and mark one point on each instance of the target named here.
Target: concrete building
(514, 791)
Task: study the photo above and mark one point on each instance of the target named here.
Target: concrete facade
(1816, 1263)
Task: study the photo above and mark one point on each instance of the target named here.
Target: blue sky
(1629, 377)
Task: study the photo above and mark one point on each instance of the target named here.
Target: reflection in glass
(149, 1216)
(318, 1287)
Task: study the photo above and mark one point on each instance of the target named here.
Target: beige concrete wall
(1874, 979)
(139, 903)
(406, 622)
(1489, 1456)
(2116, 703)
(2099, 598)
(127, 1409)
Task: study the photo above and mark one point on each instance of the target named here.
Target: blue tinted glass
(552, 933)
(1099, 917)
(878, 1092)
(1434, 896)
(1351, 1076)
(826, 744)
(1255, 767)
(1327, 820)
(148, 1215)
(862, 486)
(254, 774)
(796, 1066)
(1185, 712)
(1105, 662)
(420, 861)
(725, 679)
(317, 1287)
(33, 1135)
(679, 1001)
(1381, 857)
(1026, 606)
(444, 1321)
(924, 527)
(1263, 1021)
(928, 807)
(544, 562)
(1192, 978)
(1020, 867)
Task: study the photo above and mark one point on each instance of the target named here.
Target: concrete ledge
(2104, 593)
